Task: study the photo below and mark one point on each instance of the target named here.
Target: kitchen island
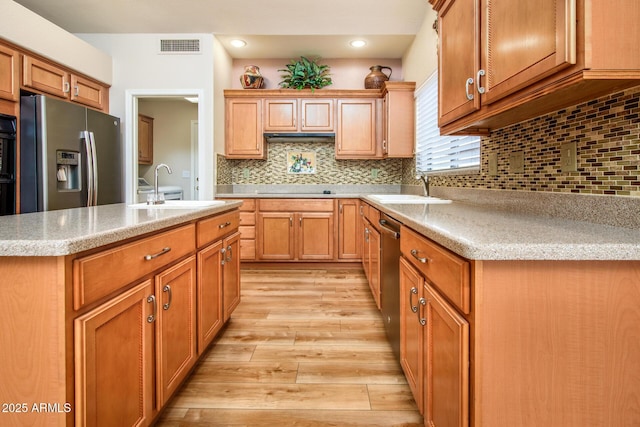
(110, 301)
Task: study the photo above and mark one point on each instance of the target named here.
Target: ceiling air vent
(179, 46)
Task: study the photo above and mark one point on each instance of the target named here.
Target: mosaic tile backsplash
(607, 136)
(329, 170)
(606, 132)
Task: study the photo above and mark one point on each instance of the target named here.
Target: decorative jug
(251, 78)
(376, 77)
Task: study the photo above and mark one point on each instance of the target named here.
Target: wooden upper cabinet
(398, 139)
(317, 115)
(45, 77)
(145, 139)
(356, 131)
(543, 33)
(503, 62)
(48, 78)
(298, 115)
(88, 92)
(281, 115)
(243, 129)
(9, 74)
(459, 59)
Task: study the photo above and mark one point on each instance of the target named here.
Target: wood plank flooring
(305, 347)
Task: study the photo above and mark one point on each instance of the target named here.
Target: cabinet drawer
(296, 205)
(214, 228)
(247, 218)
(248, 205)
(96, 276)
(441, 267)
(373, 215)
(247, 249)
(247, 232)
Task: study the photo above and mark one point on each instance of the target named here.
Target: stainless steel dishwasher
(390, 280)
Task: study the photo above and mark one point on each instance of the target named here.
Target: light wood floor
(303, 348)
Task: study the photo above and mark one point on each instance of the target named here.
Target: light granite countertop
(69, 231)
(467, 227)
(483, 233)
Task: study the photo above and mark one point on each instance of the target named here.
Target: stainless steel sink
(407, 199)
(179, 204)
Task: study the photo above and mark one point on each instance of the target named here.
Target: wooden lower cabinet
(371, 260)
(176, 327)
(230, 274)
(296, 229)
(349, 240)
(411, 330)
(209, 286)
(114, 361)
(434, 351)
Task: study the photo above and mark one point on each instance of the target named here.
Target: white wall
(30, 31)
(222, 76)
(138, 68)
(421, 59)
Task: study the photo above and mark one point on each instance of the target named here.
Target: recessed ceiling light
(238, 43)
(357, 43)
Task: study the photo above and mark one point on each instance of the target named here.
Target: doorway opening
(176, 142)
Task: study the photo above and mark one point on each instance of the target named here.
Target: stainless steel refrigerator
(70, 156)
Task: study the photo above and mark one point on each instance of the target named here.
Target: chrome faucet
(425, 181)
(156, 199)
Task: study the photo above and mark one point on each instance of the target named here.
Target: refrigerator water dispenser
(68, 170)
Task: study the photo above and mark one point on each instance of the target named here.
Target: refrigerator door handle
(87, 146)
(94, 159)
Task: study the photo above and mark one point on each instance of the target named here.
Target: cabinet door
(275, 236)
(315, 236)
(176, 331)
(281, 115)
(356, 133)
(114, 361)
(411, 330)
(317, 115)
(88, 92)
(459, 59)
(524, 42)
(243, 129)
(399, 120)
(365, 249)
(209, 285)
(44, 77)
(374, 264)
(9, 80)
(231, 274)
(348, 229)
(145, 139)
(446, 350)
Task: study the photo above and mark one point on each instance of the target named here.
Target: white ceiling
(272, 28)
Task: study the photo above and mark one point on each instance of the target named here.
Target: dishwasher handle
(384, 226)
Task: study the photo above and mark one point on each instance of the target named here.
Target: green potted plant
(305, 73)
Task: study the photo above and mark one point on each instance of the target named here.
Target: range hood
(299, 137)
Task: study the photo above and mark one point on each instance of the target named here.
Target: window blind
(433, 151)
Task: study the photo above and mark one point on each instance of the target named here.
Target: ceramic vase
(251, 78)
(376, 77)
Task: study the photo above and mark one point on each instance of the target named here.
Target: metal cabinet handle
(230, 253)
(481, 89)
(300, 221)
(414, 253)
(152, 317)
(423, 303)
(167, 288)
(290, 221)
(361, 210)
(226, 224)
(466, 88)
(77, 90)
(162, 252)
(223, 251)
(383, 226)
(66, 87)
(414, 291)
(366, 235)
